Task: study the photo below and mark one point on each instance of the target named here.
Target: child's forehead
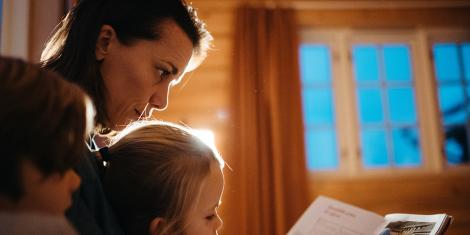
(211, 189)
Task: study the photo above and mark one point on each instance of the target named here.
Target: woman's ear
(106, 37)
(156, 226)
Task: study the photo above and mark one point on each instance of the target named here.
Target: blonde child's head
(163, 179)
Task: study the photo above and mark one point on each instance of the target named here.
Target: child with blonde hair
(162, 179)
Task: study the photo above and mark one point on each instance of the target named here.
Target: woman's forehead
(173, 45)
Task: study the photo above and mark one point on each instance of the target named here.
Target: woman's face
(138, 77)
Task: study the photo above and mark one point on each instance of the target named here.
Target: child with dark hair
(44, 122)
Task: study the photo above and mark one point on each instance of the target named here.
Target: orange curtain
(267, 189)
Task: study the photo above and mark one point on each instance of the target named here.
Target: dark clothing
(90, 212)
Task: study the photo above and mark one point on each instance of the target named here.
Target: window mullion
(351, 158)
(427, 104)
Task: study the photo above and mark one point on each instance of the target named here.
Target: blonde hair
(156, 170)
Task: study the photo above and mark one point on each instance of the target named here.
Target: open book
(327, 216)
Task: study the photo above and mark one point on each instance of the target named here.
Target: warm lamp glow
(205, 135)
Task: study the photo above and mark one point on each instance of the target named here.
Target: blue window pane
(315, 63)
(402, 105)
(456, 146)
(397, 62)
(365, 61)
(370, 106)
(318, 106)
(307, 97)
(468, 100)
(406, 148)
(321, 150)
(452, 104)
(466, 59)
(446, 61)
(374, 148)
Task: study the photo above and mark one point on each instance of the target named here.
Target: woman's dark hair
(71, 49)
(43, 120)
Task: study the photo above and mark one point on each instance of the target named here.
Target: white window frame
(340, 40)
(15, 28)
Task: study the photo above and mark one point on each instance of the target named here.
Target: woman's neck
(101, 141)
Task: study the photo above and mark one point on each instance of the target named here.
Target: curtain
(267, 187)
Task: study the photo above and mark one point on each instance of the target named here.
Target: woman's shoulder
(90, 166)
(90, 212)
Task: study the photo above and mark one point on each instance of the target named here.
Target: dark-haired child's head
(44, 122)
(163, 179)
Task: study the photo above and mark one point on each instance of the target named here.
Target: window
(452, 73)
(371, 101)
(318, 107)
(387, 114)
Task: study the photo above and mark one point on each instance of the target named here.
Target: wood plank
(219, 21)
(391, 18)
(221, 54)
(437, 193)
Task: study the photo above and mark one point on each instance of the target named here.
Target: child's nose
(218, 223)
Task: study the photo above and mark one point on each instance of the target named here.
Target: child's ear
(156, 226)
(106, 36)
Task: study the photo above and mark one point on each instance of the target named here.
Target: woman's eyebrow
(174, 69)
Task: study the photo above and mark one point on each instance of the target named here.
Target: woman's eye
(210, 217)
(163, 73)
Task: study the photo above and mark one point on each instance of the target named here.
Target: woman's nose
(159, 99)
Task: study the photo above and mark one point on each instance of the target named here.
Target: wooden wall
(444, 192)
(202, 98)
(203, 102)
(43, 17)
(425, 194)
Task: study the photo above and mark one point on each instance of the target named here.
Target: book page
(415, 224)
(326, 216)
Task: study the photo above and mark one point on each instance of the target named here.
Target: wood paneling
(220, 56)
(219, 21)
(202, 101)
(44, 15)
(426, 194)
(395, 18)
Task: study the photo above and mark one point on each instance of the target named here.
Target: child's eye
(210, 217)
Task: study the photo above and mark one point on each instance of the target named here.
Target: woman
(126, 54)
